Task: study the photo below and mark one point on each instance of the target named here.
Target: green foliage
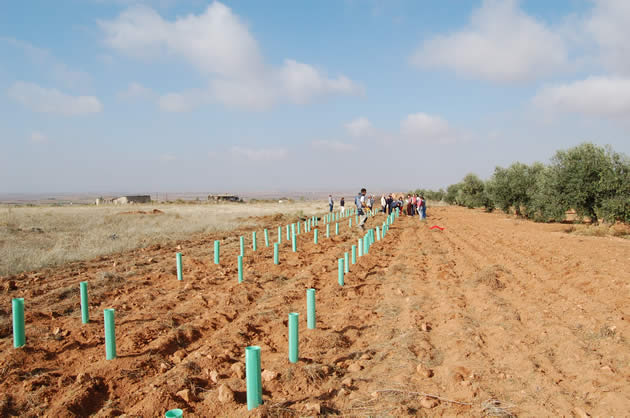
(434, 195)
(615, 190)
(472, 193)
(546, 205)
(580, 172)
(451, 194)
(592, 180)
(514, 187)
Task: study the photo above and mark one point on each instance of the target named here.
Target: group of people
(411, 205)
(368, 200)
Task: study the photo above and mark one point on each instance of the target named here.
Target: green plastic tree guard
(327, 230)
(242, 244)
(217, 251)
(178, 258)
(288, 232)
(350, 222)
(85, 308)
(110, 334)
(252, 377)
(315, 235)
(19, 336)
(298, 227)
(310, 309)
(293, 337)
(360, 247)
(276, 253)
(340, 271)
(266, 237)
(174, 413)
(346, 262)
(294, 243)
(254, 247)
(337, 228)
(240, 269)
(354, 254)
(279, 235)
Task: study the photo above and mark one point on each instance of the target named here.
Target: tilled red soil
(491, 316)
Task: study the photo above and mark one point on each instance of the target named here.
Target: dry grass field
(35, 237)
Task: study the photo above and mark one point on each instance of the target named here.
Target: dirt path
(492, 316)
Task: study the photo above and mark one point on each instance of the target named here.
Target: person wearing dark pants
(359, 201)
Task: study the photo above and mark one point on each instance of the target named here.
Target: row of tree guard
(252, 353)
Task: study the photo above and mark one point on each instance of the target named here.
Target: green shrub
(615, 190)
(592, 180)
(472, 193)
(435, 195)
(514, 187)
(451, 194)
(575, 180)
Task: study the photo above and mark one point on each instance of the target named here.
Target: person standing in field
(330, 202)
(342, 204)
(383, 204)
(422, 206)
(359, 201)
(414, 203)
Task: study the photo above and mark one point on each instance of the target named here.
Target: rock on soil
(225, 394)
(238, 370)
(313, 407)
(214, 376)
(355, 367)
(423, 371)
(268, 375)
(429, 403)
(186, 395)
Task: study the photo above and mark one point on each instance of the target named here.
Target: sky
(144, 96)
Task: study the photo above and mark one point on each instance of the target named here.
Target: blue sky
(191, 95)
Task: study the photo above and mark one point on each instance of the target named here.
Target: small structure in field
(124, 200)
(224, 198)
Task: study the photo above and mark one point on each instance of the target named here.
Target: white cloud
(335, 146)
(594, 96)
(38, 137)
(501, 43)
(49, 64)
(219, 45)
(215, 41)
(136, 91)
(40, 99)
(608, 26)
(303, 82)
(184, 101)
(360, 127)
(247, 94)
(422, 127)
(260, 154)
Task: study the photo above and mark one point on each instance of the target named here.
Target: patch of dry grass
(35, 237)
(601, 230)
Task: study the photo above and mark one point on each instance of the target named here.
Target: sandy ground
(493, 316)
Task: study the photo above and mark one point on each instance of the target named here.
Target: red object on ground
(437, 227)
